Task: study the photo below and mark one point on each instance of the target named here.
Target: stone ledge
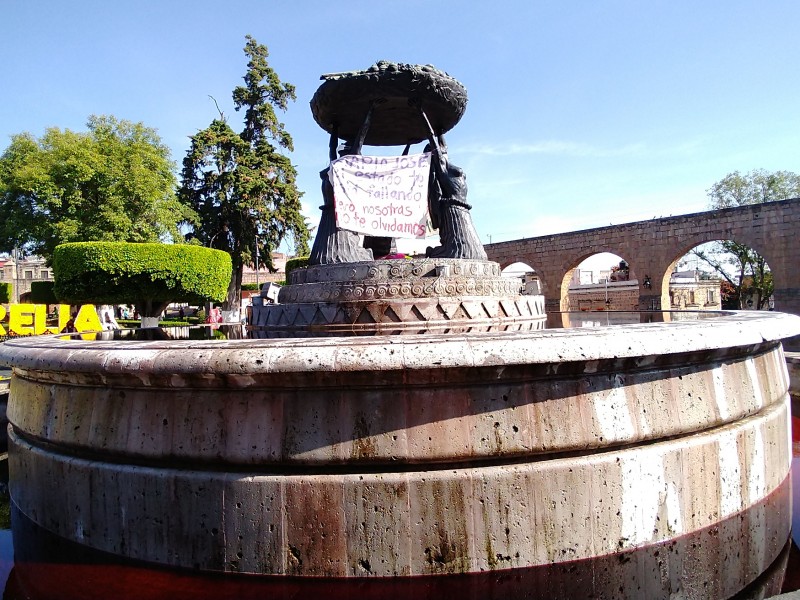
(748, 329)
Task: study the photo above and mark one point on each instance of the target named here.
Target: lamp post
(15, 255)
(257, 282)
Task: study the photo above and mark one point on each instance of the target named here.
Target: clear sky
(581, 113)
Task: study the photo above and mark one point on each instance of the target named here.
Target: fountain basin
(414, 455)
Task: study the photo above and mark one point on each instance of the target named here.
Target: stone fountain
(349, 285)
(477, 452)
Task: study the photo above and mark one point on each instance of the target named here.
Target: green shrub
(170, 322)
(298, 262)
(148, 275)
(6, 292)
(42, 292)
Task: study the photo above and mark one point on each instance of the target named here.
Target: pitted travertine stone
(475, 397)
(465, 417)
(380, 329)
(426, 455)
(443, 521)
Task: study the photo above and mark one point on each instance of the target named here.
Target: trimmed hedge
(298, 262)
(42, 292)
(149, 275)
(6, 292)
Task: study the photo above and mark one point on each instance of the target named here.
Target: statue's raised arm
(457, 235)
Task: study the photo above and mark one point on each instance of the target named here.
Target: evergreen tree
(241, 186)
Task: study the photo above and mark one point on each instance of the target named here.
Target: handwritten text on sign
(382, 195)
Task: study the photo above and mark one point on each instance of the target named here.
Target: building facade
(688, 290)
(22, 273)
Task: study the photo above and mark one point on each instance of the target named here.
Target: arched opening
(721, 274)
(601, 281)
(532, 283)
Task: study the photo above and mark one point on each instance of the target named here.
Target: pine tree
(242, 187)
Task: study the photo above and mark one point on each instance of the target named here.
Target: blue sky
(580, 114)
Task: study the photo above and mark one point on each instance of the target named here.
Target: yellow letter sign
(31, 319)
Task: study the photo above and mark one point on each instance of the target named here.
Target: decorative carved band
(466, 311)
(395, 269)
(424, 287)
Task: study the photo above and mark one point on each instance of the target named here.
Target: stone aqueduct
(652, 248)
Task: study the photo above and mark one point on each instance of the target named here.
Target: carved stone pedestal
(385, 295)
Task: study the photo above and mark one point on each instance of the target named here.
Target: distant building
(531, 285)
(608, 295)
(582, 277)
(688, 290)
(249, 274)
(22, 273)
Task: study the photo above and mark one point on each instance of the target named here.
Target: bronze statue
(392, 95)
(448, 205)
(333, 244)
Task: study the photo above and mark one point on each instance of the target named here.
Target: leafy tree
(728, 297)
(240, 185)
(149, 275)
(114, 182)
(755, 187)
(745, 270)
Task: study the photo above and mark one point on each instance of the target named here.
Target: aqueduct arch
(650, 249)
(565, 278)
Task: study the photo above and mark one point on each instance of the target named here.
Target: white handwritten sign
(382, 195)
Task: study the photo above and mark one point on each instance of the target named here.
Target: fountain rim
(726, 329)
